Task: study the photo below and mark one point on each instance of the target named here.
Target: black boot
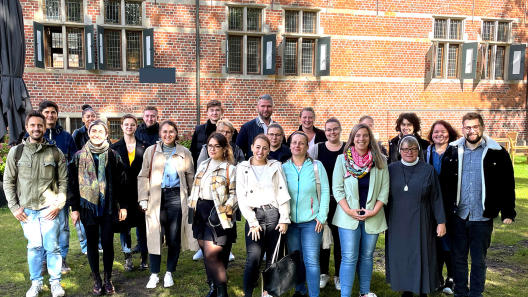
(98, 284)
(407, 294)
(108, 286)
(222, 291)
(143, 265)
(212, 292)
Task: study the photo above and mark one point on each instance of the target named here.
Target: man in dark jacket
(478, 183)
(203, 131)
(148, 131)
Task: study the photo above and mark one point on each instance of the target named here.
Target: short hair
(310, 109)
(151, 107)
(214, 103)
(87, 108)
(263, 137)
(410, 140)
(453, 134)
(412, 118)
(331, 120)
(473, 116)
(35, 114)
(48, 103)
(172, 124)
(265, 97)
(226, 123)
(365, 117)
(276, 126)
(96, 123)
(128, 116)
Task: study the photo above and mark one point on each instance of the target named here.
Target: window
(52, 10)
(113, 49)
(74, 11)
(493, 54)
(448, 29)
(75, 123)
(452, 61)
(290, 57)
(244, 40)
(114, 127)
(439, 61)
(495, 31)
(450, 32)
(75, 48)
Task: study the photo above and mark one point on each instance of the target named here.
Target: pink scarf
(356, 165)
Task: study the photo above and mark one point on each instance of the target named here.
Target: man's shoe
(231, 257)
(449, 287)
(212, 291)
(98, 284)
(56, 289)
(108, 286)
(198, 255)
(136, 250)
(36, 287)
(167, 280)
(153, 281)
(44, 269)
(129, 266)
(298, 294)
(65, 268)
(323, 280)
(337, 283)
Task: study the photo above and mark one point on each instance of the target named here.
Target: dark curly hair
(453, 134)
(412, 118)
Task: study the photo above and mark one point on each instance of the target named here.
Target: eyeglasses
(469, 128)
(214, 147)
(274, 135)
(409, 150)
(336, 129)
(224, 132)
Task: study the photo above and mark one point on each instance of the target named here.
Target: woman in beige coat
(164, 185)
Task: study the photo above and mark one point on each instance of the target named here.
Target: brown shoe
(98, 284)
(108, 286)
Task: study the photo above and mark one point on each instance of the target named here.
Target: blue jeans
(64, 233)
(81, 235)
(470, 238)
(357, 250)
(42, 234)
(126, 240)
(302, 237)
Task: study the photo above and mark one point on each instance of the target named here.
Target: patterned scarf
(356, 165)
(92, 184)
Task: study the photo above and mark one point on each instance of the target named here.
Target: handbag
(283, 275)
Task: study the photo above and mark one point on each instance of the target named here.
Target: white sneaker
(337, 283)
(36, 287)
(167, 280)
(231, 257)
(198, 255)
(368, 295)
(153, 281)
(56, 289)
(323, 280)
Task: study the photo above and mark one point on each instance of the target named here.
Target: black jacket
(320, 136)
(282, 154)
(81, 137)
(499, 182)
(199, 138)
(150, 135)
(134, 215)
(394, 155)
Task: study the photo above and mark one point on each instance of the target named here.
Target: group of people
(433, 198)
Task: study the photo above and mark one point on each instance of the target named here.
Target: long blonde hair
(379, 159)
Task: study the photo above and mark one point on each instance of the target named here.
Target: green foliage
(4, 150)
(185, 140)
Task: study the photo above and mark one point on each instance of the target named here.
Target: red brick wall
(377, 77)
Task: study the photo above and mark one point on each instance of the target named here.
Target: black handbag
(283, 275)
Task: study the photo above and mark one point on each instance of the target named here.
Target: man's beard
(479, 137)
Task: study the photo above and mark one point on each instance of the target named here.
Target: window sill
(67, 24)
(298, 35)
(241, 33)
(495, 42)
(118, 27)
(459, 41)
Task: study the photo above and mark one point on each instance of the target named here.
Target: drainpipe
(197, 4)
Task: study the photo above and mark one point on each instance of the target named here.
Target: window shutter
(269, 54)
(148, 48)
(323, 57)
(516, 62)
(101, 48)
(434, 57)
(38, 39)
(89, 48)
(227, 53)
(468, 68)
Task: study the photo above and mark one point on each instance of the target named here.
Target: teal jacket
(304, 205)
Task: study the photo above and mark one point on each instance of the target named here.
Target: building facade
(345, 58)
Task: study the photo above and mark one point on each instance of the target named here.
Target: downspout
(197, 4)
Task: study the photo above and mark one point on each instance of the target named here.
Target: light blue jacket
(304, 205)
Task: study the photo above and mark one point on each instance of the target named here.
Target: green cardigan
(348, 189)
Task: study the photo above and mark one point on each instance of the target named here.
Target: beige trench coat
(150, 190)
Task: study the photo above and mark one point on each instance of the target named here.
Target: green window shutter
(323, 57)
(516, 62)
(148, 48)
(227, 53)
(89, 47)
(101, 48)
(269, 54)
(468, 68)
(38, 39)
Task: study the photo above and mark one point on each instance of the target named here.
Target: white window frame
(245, 33)
(445, 43)
(493, 46)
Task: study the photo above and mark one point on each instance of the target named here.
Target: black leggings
(107, 242)
(324, 257)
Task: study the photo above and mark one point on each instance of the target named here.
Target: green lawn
(507, 262)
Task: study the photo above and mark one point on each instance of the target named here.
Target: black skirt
(203, 230)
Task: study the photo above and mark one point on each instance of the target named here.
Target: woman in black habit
(415, 201)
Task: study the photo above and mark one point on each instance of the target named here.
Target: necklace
(406, 188)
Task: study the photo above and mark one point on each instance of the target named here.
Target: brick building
(346, 58)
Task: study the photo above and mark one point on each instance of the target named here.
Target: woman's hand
(353, 213)
(255, 232)
(282, 228)
(318, 227)
(75, 217)
(122, 214)
(441, 230)
(366, 214)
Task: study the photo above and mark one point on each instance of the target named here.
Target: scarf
(92, 183)
(356, 165)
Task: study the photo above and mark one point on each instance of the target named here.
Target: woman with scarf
(97, 179)
(361, 189)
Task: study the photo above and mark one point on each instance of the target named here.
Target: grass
(507, 262)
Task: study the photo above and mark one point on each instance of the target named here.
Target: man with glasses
(278, 151)
(477, 182)
(203, 131)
